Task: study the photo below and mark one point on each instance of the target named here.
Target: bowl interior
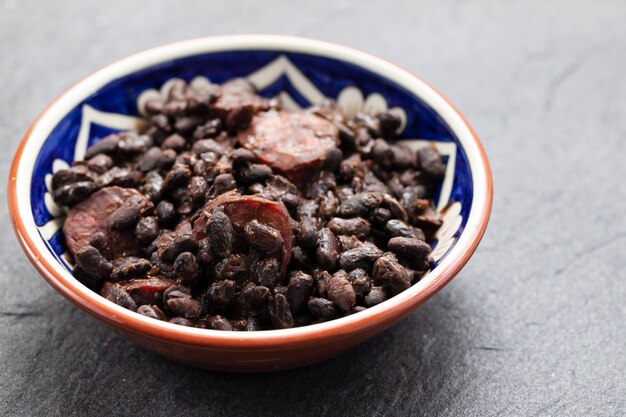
(300, 79)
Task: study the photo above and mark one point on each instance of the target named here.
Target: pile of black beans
(227, 212)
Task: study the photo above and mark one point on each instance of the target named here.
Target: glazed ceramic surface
(301, 73)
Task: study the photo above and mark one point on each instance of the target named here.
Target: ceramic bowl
(301, 72)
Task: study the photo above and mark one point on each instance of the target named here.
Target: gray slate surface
(534, 325)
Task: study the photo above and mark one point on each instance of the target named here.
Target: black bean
(396, 187)
(382, 153)
(147, 229)
(166, 213)
(133, 143)
(182, 304)
(280, 314)
(329, 205)
(427, 218)
(221, 293)
(161, 122)
(291, 201)
(399, 228)
(197, 189)
(369, 122)
(175, 108)
(181, 321)
(321, 281)
(205, 254)
(175, 141)
(180, 244)
(100, 163)
(153, 312)
(356, 226)
(223, 183)
(106, 145)
(360, 281)
(154, 106)
(422, 265)
(242, 157)
(208, 130)
(152, 186)
(263, 237)
(388, 123)
(358, 185)
(129, 267)
(72, 194)
(233, 267)
(300, 258)
(430, 162)
(308, 208)
(327, 249)
(376, 296)
(394, 206)
(90, 260)
(177, 176)
(332, 160)
(409, 248)
(403, 157)
(349, 242)
(120, 297)
(341, 293)
(252, 325)
(411, 177)
(220, 233)
(186, 268)
(172, 288)
(266, 272)
(239, 118)
(100, 241)
(254, 295)
(208, 145)
(124, 217)
(122, 177)
(322, 308)
(184, 204)
(410, 197)
(166, 160)
(360, 204)
(299, 290)
(199, 167)
(255, 173)
(149, 160)
(351, 167)
(219, 323)
(380, 216)
(72, 175)
(362, 257)
(281, 289)
(388, 271)
(187, 124)
(308, 234)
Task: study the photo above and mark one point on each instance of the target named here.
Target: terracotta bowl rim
(372, 318)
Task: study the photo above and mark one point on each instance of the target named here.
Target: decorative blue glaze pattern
(329, 76)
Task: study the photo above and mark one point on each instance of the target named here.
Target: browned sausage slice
(91, 216)
(242, 209)
(293, 144)
(237, 93)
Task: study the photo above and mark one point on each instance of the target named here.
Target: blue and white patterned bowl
(301, 72)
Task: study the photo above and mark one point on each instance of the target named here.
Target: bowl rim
(373, 318)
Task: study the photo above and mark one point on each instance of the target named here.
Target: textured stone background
(534, 325)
